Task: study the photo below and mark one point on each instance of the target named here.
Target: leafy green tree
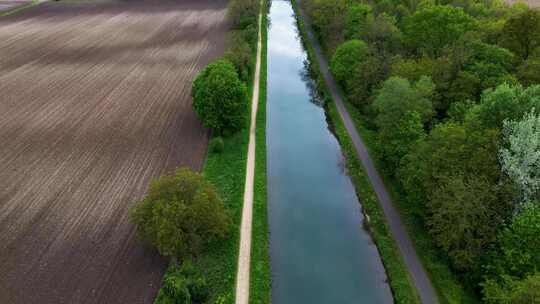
(383, 34)
(367, 77)
(180, 214)
(514, 264)
(528, 72)
(346, 58)
(220, 97)
(521, 33)
(397, 140)
(504, 102)
(239, 53)
(432, 28)
(327, 20)
(243, 13)
(520, 159)
(513, 291)
(356, 20)
(397, 97)
(462, 220)
(451, 180)
(413, 69)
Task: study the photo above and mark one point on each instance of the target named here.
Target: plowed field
(94, 103)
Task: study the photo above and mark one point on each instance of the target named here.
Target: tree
(451, 180)
(528, 72)
(397, 97)
(514, 262)
(327, 19)
(521, 33)
(432, 28)
(356, 20)
(462, 220)
(220, 98)
(383, 34)
(243, 13)
(397, 140)
(180, 214)
(239, 53)
(344, 61)
(505, 102)
(520, 160)
(513, 291)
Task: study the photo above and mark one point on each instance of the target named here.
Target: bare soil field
(94, 103)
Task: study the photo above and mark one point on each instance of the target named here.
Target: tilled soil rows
(94, 103)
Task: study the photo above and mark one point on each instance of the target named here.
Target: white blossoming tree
(520, 159)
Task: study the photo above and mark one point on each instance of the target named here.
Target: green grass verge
(400, 282)
(447, 284)
(226, 171)
(19, 8)
(260, 260)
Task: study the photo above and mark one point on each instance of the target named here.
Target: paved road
(242, 277)
(416, 270)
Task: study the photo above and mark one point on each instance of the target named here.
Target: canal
(319, 251)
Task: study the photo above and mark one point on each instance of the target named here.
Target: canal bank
(408, 279)
(319, 251)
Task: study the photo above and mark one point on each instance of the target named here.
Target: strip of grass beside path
(260, 260)
(444, 280)
(400, 282)
(19, 8)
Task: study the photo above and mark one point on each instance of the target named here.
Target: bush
(220, 98)
(184, 285)
(242, 13)
(217, 145)
(180, 214)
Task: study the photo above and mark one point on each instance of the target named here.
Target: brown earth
(94, 103)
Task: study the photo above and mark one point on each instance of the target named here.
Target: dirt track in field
(94, 103)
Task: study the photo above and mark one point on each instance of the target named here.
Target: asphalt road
(416, 270)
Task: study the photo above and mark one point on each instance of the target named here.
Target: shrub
(220, 98)
(217, 145)
(183, 285)
(180, 214)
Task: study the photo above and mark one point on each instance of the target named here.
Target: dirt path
(244, 255)
(416, 270)
(94, 103)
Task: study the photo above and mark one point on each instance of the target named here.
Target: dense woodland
(451, 89)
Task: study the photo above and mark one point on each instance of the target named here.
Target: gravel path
(242, 277)
(416, 270)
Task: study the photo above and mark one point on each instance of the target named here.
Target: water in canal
(319, 251)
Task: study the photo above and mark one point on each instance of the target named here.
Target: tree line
(452, 90)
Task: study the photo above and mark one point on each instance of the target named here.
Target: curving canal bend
(319, 251)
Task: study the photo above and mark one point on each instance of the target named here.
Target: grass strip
(19, 8)
(260, 280)
(401, 284)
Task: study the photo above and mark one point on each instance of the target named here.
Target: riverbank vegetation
(220, 98)
(446, 95)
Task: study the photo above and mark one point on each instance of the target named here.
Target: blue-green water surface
(319, 251)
